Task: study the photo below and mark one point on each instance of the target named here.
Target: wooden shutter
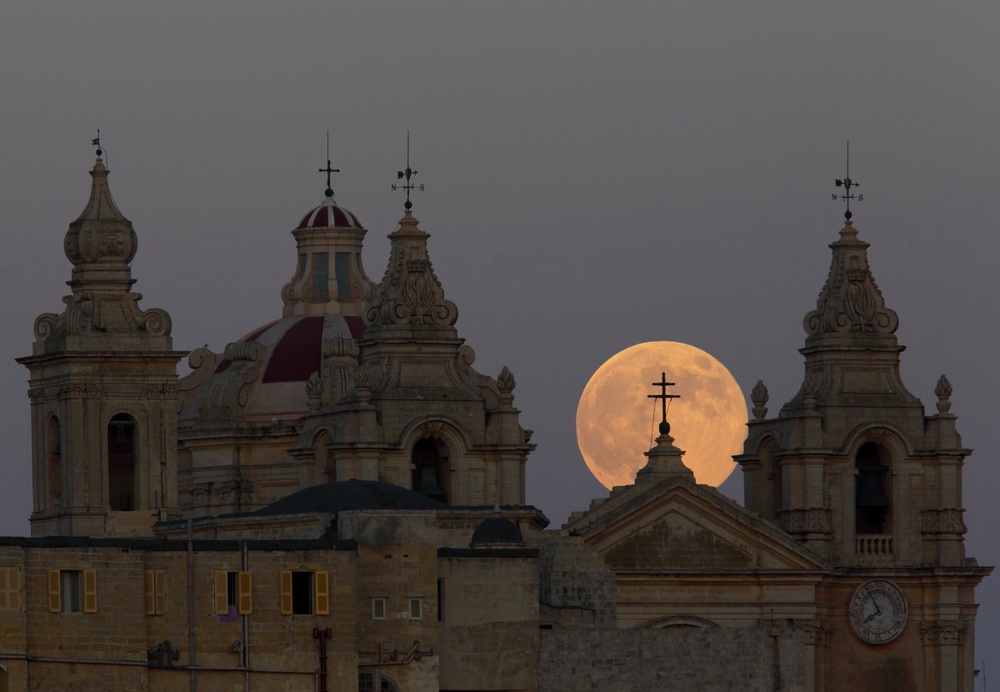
(55, 604)
(5, 588)
(322, 593)
(244, 599)
(89, 591)
(150, 592)
(160, 588)
(14, 588)
(286, 592)
(222, 593)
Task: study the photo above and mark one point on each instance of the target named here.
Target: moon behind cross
(614, 418)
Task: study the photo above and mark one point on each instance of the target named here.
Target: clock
(877, 611)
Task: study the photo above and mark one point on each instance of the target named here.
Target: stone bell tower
(103, 390)
(853, 468)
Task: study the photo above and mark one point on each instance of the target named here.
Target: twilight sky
(597, 175)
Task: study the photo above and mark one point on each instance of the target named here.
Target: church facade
(337, 502)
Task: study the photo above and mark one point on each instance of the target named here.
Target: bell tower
(852, 464)
(103, 390)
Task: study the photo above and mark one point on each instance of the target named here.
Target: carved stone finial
(809, 388)
(943, 393)
(759, 397)
(314, 391)
(505, 380)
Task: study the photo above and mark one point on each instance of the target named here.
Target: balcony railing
(873, 545)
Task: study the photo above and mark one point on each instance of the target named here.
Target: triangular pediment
(678, 525)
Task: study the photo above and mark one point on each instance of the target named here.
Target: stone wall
(678, 659)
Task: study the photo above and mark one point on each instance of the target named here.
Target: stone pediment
(679, 525)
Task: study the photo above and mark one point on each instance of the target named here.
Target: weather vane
(328, 170)
(96, 141)
(847, 184)
(663, 396)
(407, 174)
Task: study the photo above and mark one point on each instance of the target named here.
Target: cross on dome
(407, 173)
(663, 396)
(329, 169)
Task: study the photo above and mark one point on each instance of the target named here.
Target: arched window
(871, 489)
(53, 448)
(431, 475)
(774, 478)
(122, 457)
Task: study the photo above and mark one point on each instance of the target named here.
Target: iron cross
(663, 396)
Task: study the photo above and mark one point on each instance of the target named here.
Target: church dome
(329, 214)
(263, 375)
(497, 532)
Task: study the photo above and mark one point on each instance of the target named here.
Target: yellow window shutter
(89, 591)
(5, 588)
(160, 592)
(245, 600)
(14, 589)
(150, 593)
(286, 592)
(221, 593)
(322, 593)
(54, 601)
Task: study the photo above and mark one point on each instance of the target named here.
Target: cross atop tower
(847, 184)
(663, 396)
(96, 141)
(407, 173)
(328, 170)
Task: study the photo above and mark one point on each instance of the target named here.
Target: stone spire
(101, 244)
(850, 308)
(664, 461)
(851, 351)
(410, 301)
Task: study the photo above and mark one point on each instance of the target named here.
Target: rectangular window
(156, 592)
(342, 267)
(72, 591)
(321, 276)
(378, 609)
(233, 593)
(10, 588)
(440, 600)
(416, 608)
(304, 592)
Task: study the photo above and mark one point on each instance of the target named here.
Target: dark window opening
(321, 276)
(302, 593)
(430, 468)
(342, 267)
(871, 485)
(54, 446)
(232, 590)
(121, 462)
(375, 682)
(70, 590)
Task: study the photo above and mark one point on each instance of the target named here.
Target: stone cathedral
(337, 502)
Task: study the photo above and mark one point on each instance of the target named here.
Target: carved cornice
(942, 631)
(817, 633)
(943, 522)
(80, 391)
(802, 521)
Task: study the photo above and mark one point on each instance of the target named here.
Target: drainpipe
(192, 680)
(245, 651)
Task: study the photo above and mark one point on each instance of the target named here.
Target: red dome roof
(329, 215)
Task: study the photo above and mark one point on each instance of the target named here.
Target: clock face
(877, 611)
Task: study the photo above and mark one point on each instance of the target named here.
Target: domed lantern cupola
(329, 275)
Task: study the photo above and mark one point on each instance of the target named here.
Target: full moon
(616, 421)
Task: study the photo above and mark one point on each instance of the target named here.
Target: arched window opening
(429, 461)
(871, 489)
(122, 448)
(774, 478)
(53, 447)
